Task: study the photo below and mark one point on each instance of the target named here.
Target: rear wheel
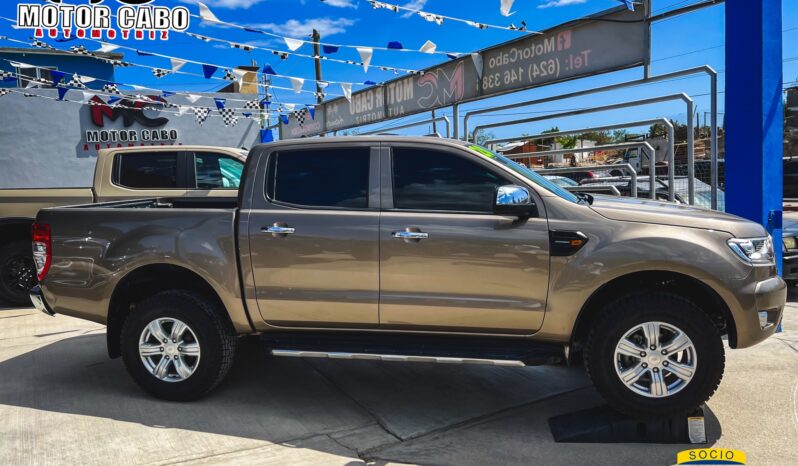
(176, 346)
(17, 273)
(654, 355)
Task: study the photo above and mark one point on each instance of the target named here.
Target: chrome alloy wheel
(655, 359)
(169, 349)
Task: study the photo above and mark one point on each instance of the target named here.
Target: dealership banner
(612, 40)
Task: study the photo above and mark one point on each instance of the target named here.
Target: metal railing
(443, 119)
(663, 121)
(625, 167)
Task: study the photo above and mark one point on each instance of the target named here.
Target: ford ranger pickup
(414, 249)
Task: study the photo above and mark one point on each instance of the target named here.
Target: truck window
(337, 178)
(153, 170)
(426, 179)
(217, 171)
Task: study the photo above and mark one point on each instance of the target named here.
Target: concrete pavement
(62, 401)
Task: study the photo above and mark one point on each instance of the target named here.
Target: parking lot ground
(62, 401)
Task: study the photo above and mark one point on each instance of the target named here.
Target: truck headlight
(789, 242)
(754, 251)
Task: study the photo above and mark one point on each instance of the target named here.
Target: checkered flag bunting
(201, 113)
(282, 55)
(6, 74)
(76, 82)
(4, 92)
(244, 47)
(299, 115)
(112, 88)
(119, 63)
(160, 73)
(80, 50)
(252, 105)
(42, 45)
(229, 75)
(27, 94)
(229, 116)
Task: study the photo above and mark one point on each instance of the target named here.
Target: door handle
(278, 230)
(410, 235)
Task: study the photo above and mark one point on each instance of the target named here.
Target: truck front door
(447, 263)
(313, 237)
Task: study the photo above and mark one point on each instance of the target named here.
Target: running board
(395, 358)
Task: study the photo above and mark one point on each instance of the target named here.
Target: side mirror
(514, 200)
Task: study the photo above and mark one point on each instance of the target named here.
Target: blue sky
(682, 42)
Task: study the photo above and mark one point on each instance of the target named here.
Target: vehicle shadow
(280, 400)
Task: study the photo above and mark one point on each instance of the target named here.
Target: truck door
(313, 236)
(447, 263)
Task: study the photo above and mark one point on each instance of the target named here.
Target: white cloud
(232, 4)
(413, 5)
(303, 28)
(341, 3)
(558, 3)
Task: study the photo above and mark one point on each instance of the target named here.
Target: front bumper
(761, 319)
(37, 298)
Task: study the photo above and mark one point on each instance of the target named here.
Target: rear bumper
(37, 298)
(757, 323)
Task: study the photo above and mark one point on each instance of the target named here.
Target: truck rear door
(313, 235)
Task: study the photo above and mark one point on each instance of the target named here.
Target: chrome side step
(395, 357)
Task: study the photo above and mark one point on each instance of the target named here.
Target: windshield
(530, 175)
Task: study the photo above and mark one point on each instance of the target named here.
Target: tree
(483, 137)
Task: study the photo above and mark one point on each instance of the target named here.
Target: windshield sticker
(482, 151)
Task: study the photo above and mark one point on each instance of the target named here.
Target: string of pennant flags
(329, 48)
(115, 98)
(439, 19)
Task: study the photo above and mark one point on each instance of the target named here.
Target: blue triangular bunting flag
(144, 54)
(312, 112)
(208, 70)
(62, 92)
(369, 83)
(630, 5)
(113, 99)
(220, 103)
(265, 103)
(328, 49)
(284, 119)
(66, 39)
(266, 135)
(167, 94)
(267, 69)
(253, 30)
(395, 45)
(57, 76)
(451, 56)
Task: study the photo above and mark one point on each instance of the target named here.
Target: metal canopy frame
(664, 121)
(624, 145)
(632, 103)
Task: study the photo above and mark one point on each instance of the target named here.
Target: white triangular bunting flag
(506, 5)
(87, 96)
(22, 66)
(293, 44)
(181, 110)
(477, 58)
(297, 83)
(193, 98)
(177, 63)
(290, 107)
(87, 79)
(347, 89)
(322, 84)
(365, 56)
(428, 47)
(207, 14)
(106, 47)
(137, 87)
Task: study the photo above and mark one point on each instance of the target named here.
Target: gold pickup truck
(123, 173)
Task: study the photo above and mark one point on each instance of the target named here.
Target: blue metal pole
(754, 114)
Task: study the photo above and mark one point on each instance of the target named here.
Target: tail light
(591, 175)
(42, 249)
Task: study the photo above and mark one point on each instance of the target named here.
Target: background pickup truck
(125, 173)
(414, 249)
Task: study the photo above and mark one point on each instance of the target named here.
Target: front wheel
(176, 346)
(655, 355)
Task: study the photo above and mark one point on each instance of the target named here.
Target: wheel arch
(16, 228)
(655, 280)
(146, 281)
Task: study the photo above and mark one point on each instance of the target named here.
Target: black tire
(214, 336)
(624, 314)
(17, 273)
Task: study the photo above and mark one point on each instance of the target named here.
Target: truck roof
(371, 138)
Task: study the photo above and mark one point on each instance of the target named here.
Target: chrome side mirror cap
(514, 200)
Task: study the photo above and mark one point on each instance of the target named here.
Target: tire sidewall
(205, 330)
(687, 318)
(8, 295)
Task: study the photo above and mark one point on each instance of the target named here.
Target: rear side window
(154, 170)
(336, 178)
(216, 171)
(431, 180)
